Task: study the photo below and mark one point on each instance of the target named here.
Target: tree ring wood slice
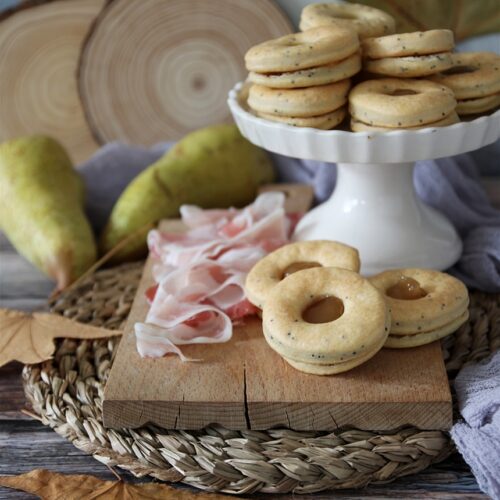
(156, 70)
(38, 62)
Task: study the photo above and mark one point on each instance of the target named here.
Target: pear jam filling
(406, 289)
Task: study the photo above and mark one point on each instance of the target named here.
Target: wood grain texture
(243, 384)
(155, 69)
(40, 53)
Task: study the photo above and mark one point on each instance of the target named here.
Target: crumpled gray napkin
(449, 185)
(477, 437)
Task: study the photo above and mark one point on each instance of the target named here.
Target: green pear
(41, 208)
(212, 167)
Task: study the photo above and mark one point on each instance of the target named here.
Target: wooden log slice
(38, 64)
(157, 69)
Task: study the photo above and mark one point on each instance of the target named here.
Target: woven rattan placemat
(67, 393)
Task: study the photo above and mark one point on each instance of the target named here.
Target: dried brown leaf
(54, 486)
(465, 17)
(29, 338)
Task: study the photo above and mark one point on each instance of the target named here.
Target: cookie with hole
(400, 103)
(297, 51)
(299, 103)
(425, 304)
(419, 43)
(326, 316)
(365, 20)
(472, 75)
(295, 257)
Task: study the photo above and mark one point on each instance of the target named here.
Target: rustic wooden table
(26, 444)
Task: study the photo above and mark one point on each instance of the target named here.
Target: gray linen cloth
(450, 185)
(477, 436)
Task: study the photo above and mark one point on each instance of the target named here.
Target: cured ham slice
(200, 274)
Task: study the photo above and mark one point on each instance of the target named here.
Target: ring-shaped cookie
(321, 122)
(451, 119)
(472, 75)
(366, 21)
(320, 75)
(302, 50)
(479, 105)
(419, 43)
(409, 66)
(361, 329)
(415, 340)
(392, 102)
(271, 270)
(446, 300)
(309, 101)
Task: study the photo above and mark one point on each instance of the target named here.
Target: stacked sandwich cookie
(390, 103)
(318, 313)
(409, 55)
(475, 79)
(325, 320)
(366, 21)
(406, 80)
(303, 79)
(425, 305)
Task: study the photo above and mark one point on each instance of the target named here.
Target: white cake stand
(374, 206)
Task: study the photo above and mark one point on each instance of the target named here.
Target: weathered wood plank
(11, 392)
(19, 279)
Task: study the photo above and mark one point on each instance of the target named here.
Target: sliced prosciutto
(200, 274)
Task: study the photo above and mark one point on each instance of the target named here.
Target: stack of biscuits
(404, 99)
(407, 81)
(303, 79)
(409, 55)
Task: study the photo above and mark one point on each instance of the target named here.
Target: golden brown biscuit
(322, 122)
(472, 75)
(310, 77)
(274, 267)
(397, 103)
(302, 50)
(424, 304)
(366, 21)
(357, 126)
(298, 327)
(299, 103)
(343, 366)
(415, 340)
(478, 105)
(419, 43)
(409, 66)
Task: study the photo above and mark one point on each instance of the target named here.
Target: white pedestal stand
(374, 206)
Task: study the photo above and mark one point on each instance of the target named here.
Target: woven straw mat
(67, 393)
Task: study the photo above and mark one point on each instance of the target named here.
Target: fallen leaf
(54, 486)
(29, 338)
(465, 17)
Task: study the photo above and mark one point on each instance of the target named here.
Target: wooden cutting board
(244, 384)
